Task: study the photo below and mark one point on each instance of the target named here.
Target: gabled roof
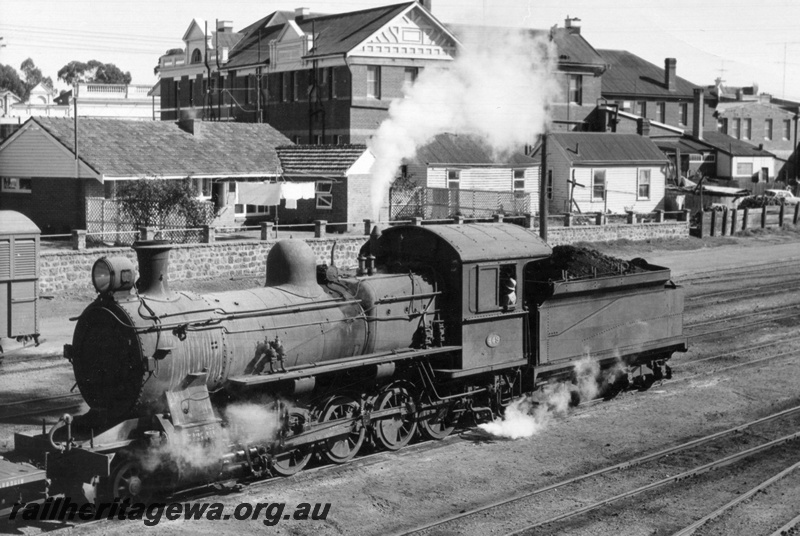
(464, 150)
(572, 49)
(601, 148)
(117, 148)
(728, 145)
(340, 33)
(630, 75)
(318, 160)
(332, 34)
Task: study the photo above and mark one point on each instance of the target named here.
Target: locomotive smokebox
(153, 257)
(292, 266)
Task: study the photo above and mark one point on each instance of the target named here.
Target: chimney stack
(300, 12)
(697, 116)
(669, 73)
(189, 123)
(153, 258)
(573, 25)
(224, 26)
(643, 127)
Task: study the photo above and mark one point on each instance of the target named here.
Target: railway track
(454, 522)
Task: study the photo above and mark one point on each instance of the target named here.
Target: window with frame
(247, 89)
(337, 139)
(744, 169)
(519, 179)
(317, 140)
(176, 93)
(332, 83)
(643, 184)
(787, 129)
(240, 210)
(768, 129)
(453, 179)
(661, 112)
(747, 131)
(297, 95)
(323, 193)
(599, 184)
(202, 188)
(323, 80)
(549, 190)
(575, 95)
(641, 109)
(737, 128)
(197, 56)
(16, 185)
(191, 92)
(683, 113)
(410, 75)
(373, 82)
(722, 125)
(286, 87)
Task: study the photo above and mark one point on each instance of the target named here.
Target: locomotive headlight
(110, 274)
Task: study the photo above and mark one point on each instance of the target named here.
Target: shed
(19, 276)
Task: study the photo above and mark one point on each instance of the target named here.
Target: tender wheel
(344, 448)
(292, 461)
(128, 483)
(393, 433)
(436, 422)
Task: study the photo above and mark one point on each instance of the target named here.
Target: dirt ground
(391, 491)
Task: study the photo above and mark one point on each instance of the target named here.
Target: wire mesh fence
(107, 223)
(443, 203)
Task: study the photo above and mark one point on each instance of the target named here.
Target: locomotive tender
(442, 323)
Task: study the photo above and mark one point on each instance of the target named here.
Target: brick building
(754, 118)
(634, 86)
(321, 79)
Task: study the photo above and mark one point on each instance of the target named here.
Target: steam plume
(497, 89)
(529, 415)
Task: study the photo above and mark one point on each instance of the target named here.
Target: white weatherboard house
(603, 172)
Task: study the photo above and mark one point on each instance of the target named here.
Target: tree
(93, 72)
(33, 75)
(10, 80)
(155, 201)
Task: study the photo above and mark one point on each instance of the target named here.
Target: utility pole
(543, 191)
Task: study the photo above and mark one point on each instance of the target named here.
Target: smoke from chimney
(497, 89)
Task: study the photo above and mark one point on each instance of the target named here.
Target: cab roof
(470, 242)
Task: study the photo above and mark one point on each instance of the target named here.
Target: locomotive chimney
(153, 257)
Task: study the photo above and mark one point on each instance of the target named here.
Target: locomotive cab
(482, 267)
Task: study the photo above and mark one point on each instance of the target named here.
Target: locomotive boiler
(441, 325)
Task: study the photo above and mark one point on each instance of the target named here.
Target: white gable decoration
(412, 34)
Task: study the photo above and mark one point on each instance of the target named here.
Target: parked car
(785, 195)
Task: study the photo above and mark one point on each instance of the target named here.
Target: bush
(159, 202)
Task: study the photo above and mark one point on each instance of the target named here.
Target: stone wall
(70, 270)
(557, 236)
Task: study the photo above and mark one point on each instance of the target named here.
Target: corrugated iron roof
(476, 242)
(334, 34)
(463, 149)
(572, 48)
(319, 160)
(607, 148)
(119, 148)
(630, 75)
(732, 146)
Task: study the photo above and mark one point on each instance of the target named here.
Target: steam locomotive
(441, 325)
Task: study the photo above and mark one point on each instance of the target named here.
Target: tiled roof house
(44, 179)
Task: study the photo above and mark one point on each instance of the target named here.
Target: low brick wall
(557, 236)
(70, 270)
